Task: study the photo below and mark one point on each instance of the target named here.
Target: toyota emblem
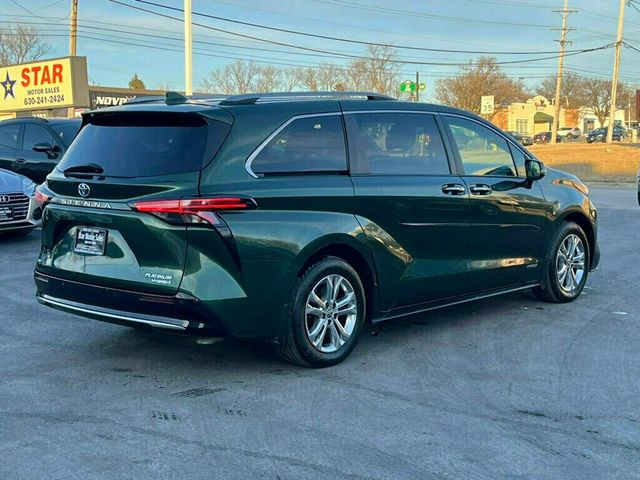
(84, 190)
(5, 198)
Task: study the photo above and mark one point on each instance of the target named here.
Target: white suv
(569, 132)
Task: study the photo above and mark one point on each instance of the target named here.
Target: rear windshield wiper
(89, 168)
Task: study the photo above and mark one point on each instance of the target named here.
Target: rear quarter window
(134, 144)
(306, 144)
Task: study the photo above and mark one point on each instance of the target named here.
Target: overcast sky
(119, 41)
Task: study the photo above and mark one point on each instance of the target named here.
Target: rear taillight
(194, 210)
(41, 198)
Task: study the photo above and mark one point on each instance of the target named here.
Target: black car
(600, 135)
(545, 137)
(524, 140)
(298, 217)
(33, 146)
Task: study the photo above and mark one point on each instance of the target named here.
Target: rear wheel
(325, 315)
(567, 265)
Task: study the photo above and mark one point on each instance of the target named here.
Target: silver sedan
(19, 211)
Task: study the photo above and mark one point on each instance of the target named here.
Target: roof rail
(176, 98)
(252, 98)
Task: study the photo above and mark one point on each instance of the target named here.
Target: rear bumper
(178, 313)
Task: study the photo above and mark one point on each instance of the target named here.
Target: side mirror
(52, 151)
(535, 170)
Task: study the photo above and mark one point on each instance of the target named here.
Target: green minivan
(299, 217)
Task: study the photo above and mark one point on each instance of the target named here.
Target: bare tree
(290, 79)
(377, 72)
(269, 79)
(235, 78)
(20, 44)
(308, 78)
(597, 94)
(483, 77)
(571, 94)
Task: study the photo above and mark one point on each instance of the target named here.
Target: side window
(396, 144)
(519, 158)
(34, 134)
(482, 151)
(310, 144)
(9, 136)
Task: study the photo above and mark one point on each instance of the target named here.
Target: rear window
(137, 144)
(66, 132)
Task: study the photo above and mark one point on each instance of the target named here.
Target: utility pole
(563, 44)
(73, 36)
(74, 28)
(417, 86)
(616, 67)
(188, 50)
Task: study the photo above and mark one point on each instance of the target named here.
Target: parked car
(569, 132)
(19, 212)
(600, 135)
(298, 217)
(545, 137)
(524, 140)
(33, 146)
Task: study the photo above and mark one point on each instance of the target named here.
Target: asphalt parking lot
(504, 388)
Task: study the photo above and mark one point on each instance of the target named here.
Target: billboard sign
(42, 85)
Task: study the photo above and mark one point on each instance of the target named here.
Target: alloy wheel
(570, 266)
(331, 313)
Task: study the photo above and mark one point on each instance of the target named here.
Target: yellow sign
(42, 85)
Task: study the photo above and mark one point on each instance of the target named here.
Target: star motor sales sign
(57, 83)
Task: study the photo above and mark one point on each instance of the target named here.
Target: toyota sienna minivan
(299, 217)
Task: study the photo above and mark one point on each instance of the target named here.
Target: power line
(413, 13)
(202, 42)
(334, 38)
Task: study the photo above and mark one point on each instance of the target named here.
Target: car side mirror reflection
(535, 170)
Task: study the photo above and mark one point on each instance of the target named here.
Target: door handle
(480, 189)
(20, 160)
(453, 189)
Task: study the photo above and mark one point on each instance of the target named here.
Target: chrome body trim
(74, 307)
(456, 302)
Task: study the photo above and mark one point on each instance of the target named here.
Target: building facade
(533, 116)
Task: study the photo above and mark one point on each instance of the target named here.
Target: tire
(555, 287)
(314, 339)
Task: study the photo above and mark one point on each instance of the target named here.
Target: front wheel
(567, 266)
(325, 315)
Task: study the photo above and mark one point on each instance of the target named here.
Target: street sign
(409, 86)
(487, 105)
